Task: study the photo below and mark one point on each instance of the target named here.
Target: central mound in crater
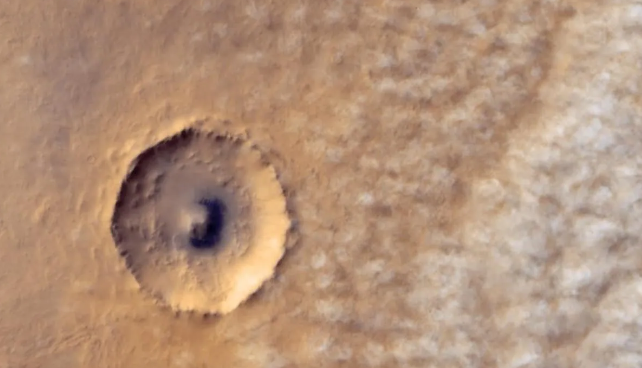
(207, 233)
(201, 221)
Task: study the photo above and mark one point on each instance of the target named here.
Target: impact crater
(201, 220)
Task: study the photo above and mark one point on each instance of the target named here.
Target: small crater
(189, 206)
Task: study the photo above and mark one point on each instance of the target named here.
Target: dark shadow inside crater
(208, 234)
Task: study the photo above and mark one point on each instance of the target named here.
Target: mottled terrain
(463, 175)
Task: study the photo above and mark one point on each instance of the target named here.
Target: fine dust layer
(201, 220)
(463, 177)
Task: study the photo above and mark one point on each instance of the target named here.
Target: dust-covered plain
(462, 178)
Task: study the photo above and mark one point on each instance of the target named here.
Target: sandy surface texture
(463, 179)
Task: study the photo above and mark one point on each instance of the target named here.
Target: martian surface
(317, 183)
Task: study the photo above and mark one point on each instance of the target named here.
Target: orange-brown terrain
(461, 180)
